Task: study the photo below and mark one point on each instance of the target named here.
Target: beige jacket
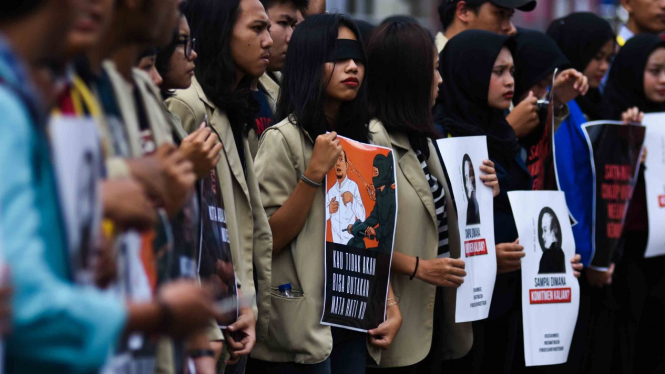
(416, 235)
(247, 224)
(295, 332)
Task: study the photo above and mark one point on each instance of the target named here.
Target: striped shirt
(439, 207)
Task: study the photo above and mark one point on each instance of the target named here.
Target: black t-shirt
(263, 117)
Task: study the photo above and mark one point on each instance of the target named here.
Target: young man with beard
(232, 46)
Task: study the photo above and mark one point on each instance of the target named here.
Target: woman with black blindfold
(401, 108)
(322, 90)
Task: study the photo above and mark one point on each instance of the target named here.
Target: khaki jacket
(416, 235)
(247, 224)
(295, 332)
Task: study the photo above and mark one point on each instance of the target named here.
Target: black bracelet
(416, 269)
(198, 353)
(310, 182)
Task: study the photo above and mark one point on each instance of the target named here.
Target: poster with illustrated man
(461, 158)
(361, 212)
(550, 291)
(654, 181)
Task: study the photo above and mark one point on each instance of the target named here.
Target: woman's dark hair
(212, 23)
(164, 54)
(399, 78)
(148, 52)
(304, 84)
(555, 227)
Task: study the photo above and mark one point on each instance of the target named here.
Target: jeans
(349, 356)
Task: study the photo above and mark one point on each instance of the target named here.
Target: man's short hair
(301, 5)
(346, 157)
(448, 8)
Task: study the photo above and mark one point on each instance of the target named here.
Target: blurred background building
(426, 12)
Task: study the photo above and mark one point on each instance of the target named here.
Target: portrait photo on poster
(549, 289)
(361, 212)
(469, 177)
(550, 238)
(472, 210)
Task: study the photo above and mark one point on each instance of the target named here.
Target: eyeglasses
(189, 43)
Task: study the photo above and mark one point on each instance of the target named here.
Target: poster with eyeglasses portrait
(461, 158)
(550, 291)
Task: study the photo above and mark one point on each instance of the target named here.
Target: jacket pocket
(285, 329)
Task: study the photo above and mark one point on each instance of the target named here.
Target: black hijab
(536, 56)
(580, 36)
(466, 68)
(625, 84)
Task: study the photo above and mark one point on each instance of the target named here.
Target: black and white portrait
(472, 210)
(550, 238)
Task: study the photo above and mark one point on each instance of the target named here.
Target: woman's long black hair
(401, 60)
(212, 23)
(303, 82)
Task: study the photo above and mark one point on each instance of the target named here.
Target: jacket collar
(222, 126)
(412, 170)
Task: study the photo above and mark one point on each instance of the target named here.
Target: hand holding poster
(654, 180)
(615, 155)
(550, 291)
(461, 158)
(360, 228)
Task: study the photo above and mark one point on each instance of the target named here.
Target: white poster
(550, 291)
(654, 180)
(462, 158)
(78, 164)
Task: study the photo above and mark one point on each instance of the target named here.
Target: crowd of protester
(241, 102)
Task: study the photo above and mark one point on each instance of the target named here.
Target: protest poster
(361, 213)
(539, 146)
(550, 291)
(615, 150)
(461, 158)
(76, 151)
(215, 262)
(654, 181)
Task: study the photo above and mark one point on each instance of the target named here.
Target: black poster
(215, 261)
(361, 212)
(615, 155)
